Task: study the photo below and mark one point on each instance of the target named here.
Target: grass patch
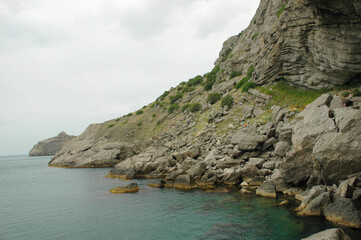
(195, 81)
(286, 95)
(111, 125)
(281, 10)
(185, 107)
(254, 36)
(248, 85)
(188, 89)
(117, 120)
(227, 101)
(211, 78)
(213, 97)
(242, 81)
(175, 98)
(345, 94)
(163, 96)
(195, 107)
(173, 107)
(356, 92)
(235, 74)
(139, 112)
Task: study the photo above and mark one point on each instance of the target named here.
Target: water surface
(41, 202)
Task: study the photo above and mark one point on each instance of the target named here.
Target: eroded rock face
(312, 43)
(50, 146)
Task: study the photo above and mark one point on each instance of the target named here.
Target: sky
(65, 64)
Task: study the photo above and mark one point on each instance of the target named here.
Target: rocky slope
(217, 130)
(50, 146)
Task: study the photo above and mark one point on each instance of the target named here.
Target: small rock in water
(284, 203)
(130, 188)
(245, 191)
(159, 184)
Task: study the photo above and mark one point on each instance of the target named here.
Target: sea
(44, 203)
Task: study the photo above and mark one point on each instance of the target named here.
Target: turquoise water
(39, 202)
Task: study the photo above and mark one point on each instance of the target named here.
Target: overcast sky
(65, 64)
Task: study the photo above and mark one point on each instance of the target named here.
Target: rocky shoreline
(296, 155)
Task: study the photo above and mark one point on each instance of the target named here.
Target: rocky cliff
(221, 130)
(310, 43)
(50, 146)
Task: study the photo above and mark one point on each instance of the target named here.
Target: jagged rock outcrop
(312, 43)
(88, 151)
(50, 146)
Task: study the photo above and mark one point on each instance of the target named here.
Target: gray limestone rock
(281, 148)
(258, 162)
(325, 141)
(267, 189)
(345, 212)
(269, 143)
(269, 165)
(317, 206)
(277, 114)
(50, 146)
(248, 140)
(307, 43)
(329, 234)
(184, 181)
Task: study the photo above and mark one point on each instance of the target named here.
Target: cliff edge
(50, 146)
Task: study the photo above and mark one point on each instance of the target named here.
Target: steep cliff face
(310, 43)
(50, 146)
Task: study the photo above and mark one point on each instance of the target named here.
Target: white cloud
(66, 64)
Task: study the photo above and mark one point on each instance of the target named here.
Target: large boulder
(329, 234)
(184, 182)
(248, 140)
(326, 144)
(50, 146)
(267, 189)
(345, 212)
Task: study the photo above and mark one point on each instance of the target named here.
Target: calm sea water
(39, 202)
